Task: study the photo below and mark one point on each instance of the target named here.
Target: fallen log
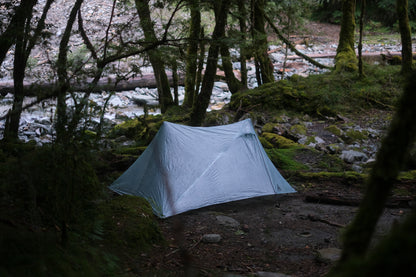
(105, 84)
(382, 56)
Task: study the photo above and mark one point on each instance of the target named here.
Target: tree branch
(292, 47)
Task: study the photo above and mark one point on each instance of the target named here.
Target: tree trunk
(405, 34)
(202, 101)
(243, 48)
(346, 59)
(8, 37)
(390, 158)
(360, 43)
(192, 54)
(265, 65)
(233, 83)
(63, 82)
(155, 57)
(201, 60)
(22, 33)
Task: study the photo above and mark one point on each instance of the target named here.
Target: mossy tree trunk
(202, 100)
(192, 53)
(233, 83)
(260, 45)
(405, 34)
(155, 56)
(346, 59)
(390, 159)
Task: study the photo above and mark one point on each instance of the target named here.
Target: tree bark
(192, 54)
(63, 82)
(8, 37)
(390, 158)
(242, 15)
(346, 59)
(22, 33)
(265, 65)
(360, 43)
(202, 100)
(155, 57)
(233, 83)
(405, 34)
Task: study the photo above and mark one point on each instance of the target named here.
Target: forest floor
(285, 234)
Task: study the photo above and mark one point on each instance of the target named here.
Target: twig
(315, 218)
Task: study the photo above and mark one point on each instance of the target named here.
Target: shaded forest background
(57, 217)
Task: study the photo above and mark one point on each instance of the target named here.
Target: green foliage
(46, 190)
(54, 181)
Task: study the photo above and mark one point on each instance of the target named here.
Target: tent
(186, 168)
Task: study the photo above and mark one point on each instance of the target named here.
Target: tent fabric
(186, 168)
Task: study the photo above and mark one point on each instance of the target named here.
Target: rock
(329, 254)
(211, 238)
(227, 221)
(270, 274)
(351, 156)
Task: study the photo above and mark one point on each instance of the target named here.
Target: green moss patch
(284, 159)
(278, 141)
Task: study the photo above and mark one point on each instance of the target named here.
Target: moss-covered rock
(298, 129)
(268, 127)
(279, 141)
(334, 130)
(142, 130)
(281, 95)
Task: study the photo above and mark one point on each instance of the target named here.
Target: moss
(265, 142)
(349, 177)
(128, 128)
(325, 111)
(346, 61)
(135, 150)
(284, 159)
(298, 129)
(268, 127)
(279, 141)
(352, 135)
(334, 130)
(129, 222)
(408, 175)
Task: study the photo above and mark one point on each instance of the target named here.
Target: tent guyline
(186, 168)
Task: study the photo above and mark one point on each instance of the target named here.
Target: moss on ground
(325, 94)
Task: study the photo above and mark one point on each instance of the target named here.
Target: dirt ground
(280, 234)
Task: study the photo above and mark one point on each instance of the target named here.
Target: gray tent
(186, 168)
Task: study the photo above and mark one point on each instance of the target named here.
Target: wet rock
(329, 254)
(211, 238)
(227, 221)
(271, 274)
(351, 156)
